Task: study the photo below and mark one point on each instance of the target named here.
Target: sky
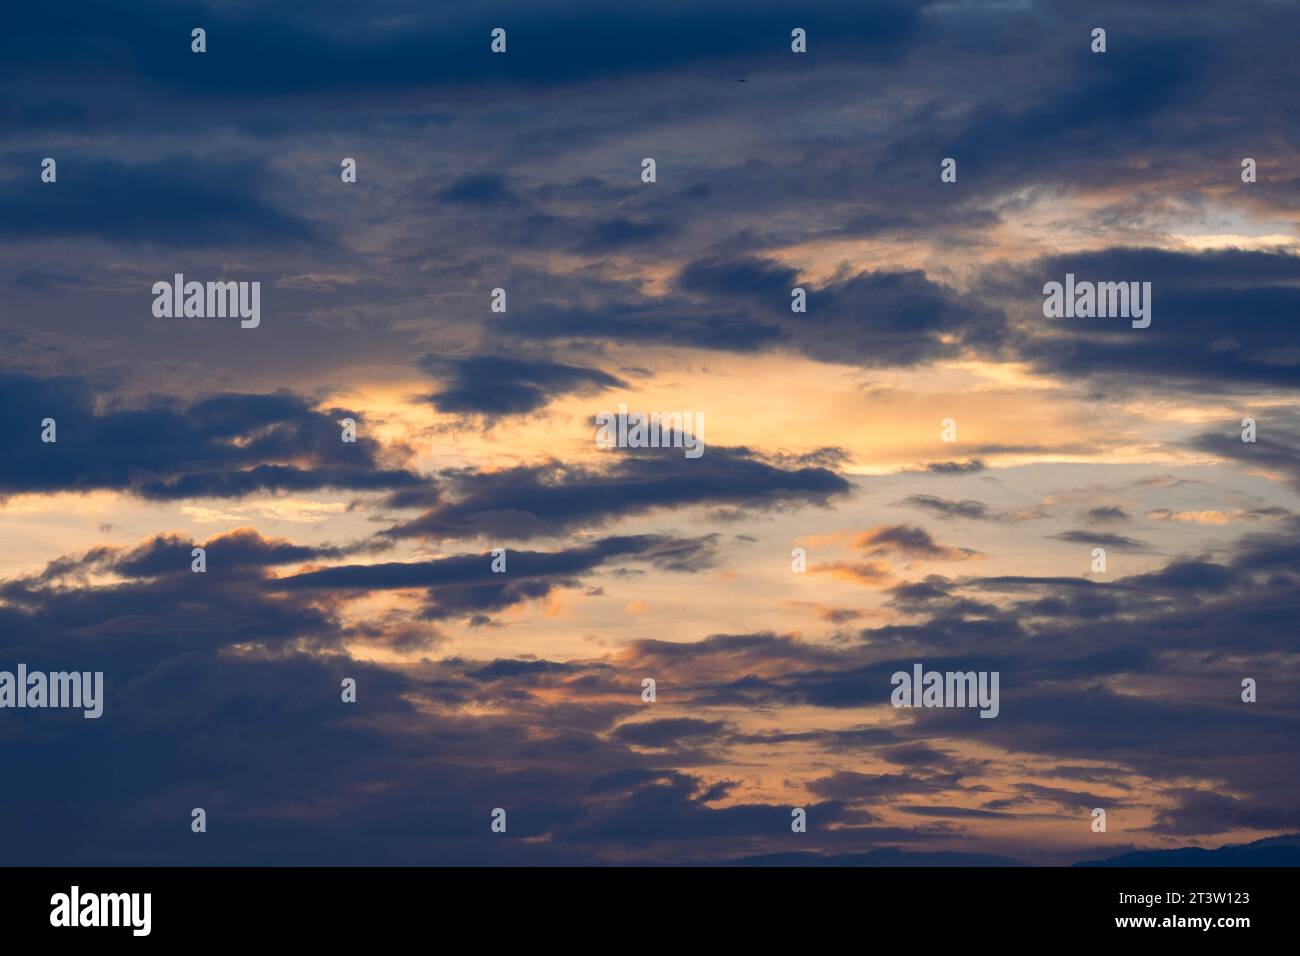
(824, 430)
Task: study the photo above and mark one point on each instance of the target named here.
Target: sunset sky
(475, 430)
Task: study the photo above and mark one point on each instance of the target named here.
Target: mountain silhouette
(1273, 851)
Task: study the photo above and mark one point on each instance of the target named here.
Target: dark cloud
(494, 385)
(945, 508)
(850, 786)
(466, 584)
(1217, 317)
(872, 318)
(612, 235)
(1203, 576)
(175, 201)
(266, 724)
(477, 567)
(223, 446)
(909, 541)
(937, 595)
(1276, 445)
(1088, 103)
(955, 467)
(1102, 539)
(668, 731)
(478, 189)
(229, 553)
(677, 807)
(537, 500)
(345, 52)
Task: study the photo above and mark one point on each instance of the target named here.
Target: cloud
(1197, 300)
(264, 720)
(908, 541)
(478, 189)
(874, 319)
(348, 53)
(175, 201)
(224, 446)
(1102, 539)
(668, 732)
(946, 508)
(537, 500)
(494, 385)
(466, 584)
(955, 467)
(1006, 140)
(1276, 447)
(241, 549)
